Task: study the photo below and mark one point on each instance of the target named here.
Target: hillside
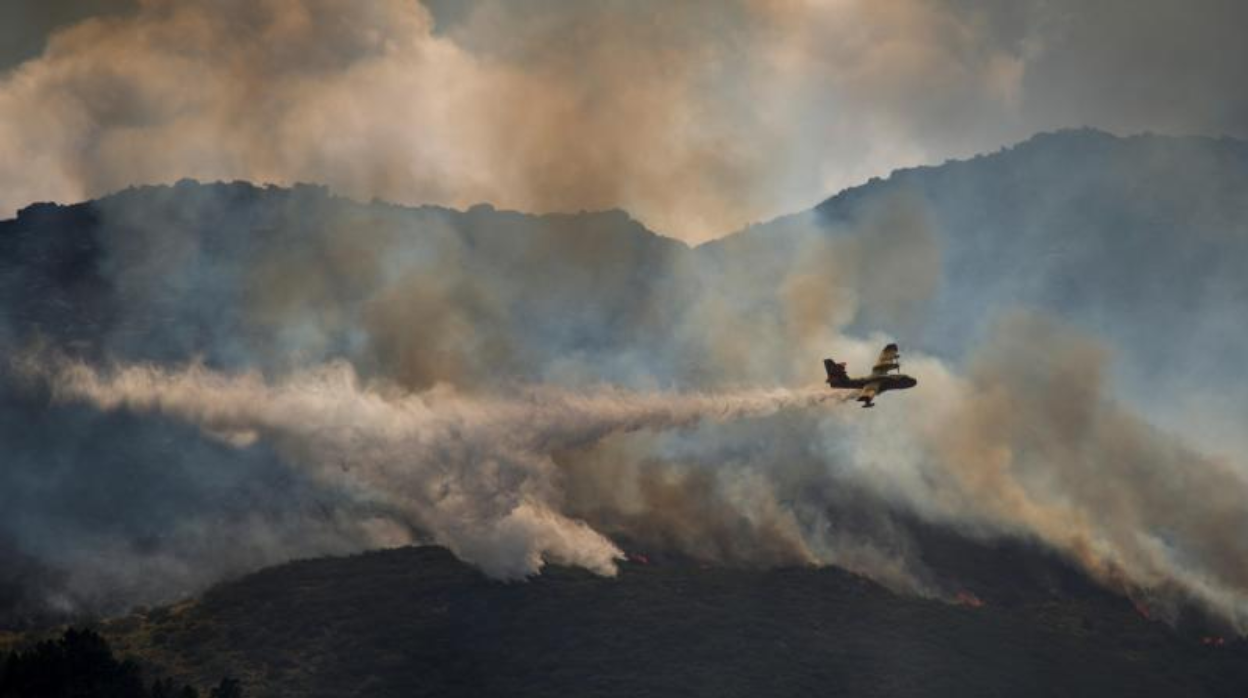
(102, 510)
(415, 621)
(1140, 240)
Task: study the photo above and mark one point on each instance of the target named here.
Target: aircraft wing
(890, 360)
(868, 392)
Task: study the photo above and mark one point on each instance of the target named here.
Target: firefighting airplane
(881, 380)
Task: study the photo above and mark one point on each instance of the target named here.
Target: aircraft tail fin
(836, 372)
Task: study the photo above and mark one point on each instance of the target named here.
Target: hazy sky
(697, 117)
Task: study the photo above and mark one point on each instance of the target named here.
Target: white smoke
(473, 473)
(1013, 448)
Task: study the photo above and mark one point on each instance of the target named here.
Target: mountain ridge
(1069, 137)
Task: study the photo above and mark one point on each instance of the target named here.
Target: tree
(163, 688)
(228, 688)
(81, 665)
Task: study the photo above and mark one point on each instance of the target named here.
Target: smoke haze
(474, 474)
(257, 374)
(427, 326)
(698, 117)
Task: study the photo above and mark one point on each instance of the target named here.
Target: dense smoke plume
(1028, 443)
(699, 117)
(474, 474)
(1025, 445)
(261, 374)
(419, 428)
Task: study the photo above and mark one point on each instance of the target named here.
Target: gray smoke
(362, 368)
(1029, 444)
(699, 117)
(472, 473)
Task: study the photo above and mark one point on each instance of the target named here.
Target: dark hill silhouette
(415, 622)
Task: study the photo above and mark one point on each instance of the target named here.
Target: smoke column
(473, 473)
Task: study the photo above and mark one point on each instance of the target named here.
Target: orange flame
(966, 598)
